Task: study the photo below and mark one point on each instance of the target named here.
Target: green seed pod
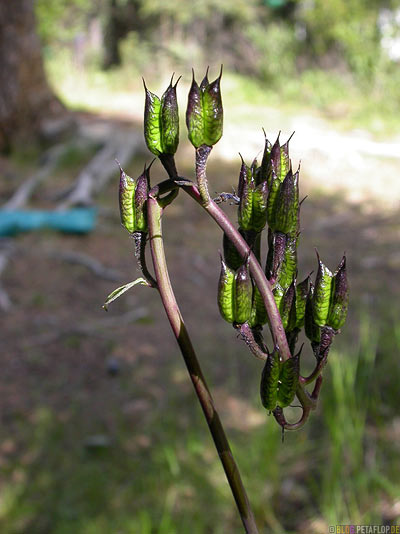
(212, 110)
(152, 128)
(275, 160)
(243, 294)
(322, 294)
(288, 380)
(289, 264)
(285, 161)
(246, 189)
(285, 214)
(127, 186)
(244, 176)
(226, 295)
(204, 114)
(264, 171)
(260, 199)
(301, 299)
(232, 257)
(321, 349)
(339, 297)
(276, 254)
(194, 115)
(161, 121)
(169, 120)
(270, 381)
(140, 201)
(313, 331)
(273, 189)
(285, 304)
(259, 314)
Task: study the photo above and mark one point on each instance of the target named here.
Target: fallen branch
(27, 188)
(97, 173)
(94, 265)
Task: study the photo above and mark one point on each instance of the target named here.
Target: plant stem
(278, 332)
(193, 366)
(307, 401)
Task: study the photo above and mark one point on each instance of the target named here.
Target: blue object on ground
(73, 221)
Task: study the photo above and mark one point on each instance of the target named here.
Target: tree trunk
(26, 100)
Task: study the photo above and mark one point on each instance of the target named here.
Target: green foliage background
(307, 52)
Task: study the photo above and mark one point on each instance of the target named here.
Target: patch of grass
(161, 474)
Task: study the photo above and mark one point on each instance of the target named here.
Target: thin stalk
(193, 366)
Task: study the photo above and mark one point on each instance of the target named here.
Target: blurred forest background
(100, 430)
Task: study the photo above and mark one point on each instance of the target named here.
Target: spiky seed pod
(284, 161)
(322, 294)
(246, 183)
(169, 120)
(243, 294)
(313, 331)
(285, 304)
(140, 201)
(213, 111)
(321, 349)
(243, 177)
(204, 114)
(264, 170)
(288, 380)
(270, 381)
(275, 159)
(285, 214)
(339, 297)
(301, 299)
(260, 199)
(127, 186)
(252, 214)
(226, 293)
(194, 115)
(273, 188)
(152, 129)
(276, 254)
(289, 265)
(161, 121)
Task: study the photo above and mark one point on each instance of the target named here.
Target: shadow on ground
(100, 431)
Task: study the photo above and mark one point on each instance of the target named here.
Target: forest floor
(100, 429)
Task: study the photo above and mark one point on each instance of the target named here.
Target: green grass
(162, 476)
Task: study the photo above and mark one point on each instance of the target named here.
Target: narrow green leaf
(121, 290)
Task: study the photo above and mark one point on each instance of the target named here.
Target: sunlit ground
(339, 153)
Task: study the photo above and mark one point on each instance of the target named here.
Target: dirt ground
(60, 350)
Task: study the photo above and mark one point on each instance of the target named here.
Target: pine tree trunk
(26, 100)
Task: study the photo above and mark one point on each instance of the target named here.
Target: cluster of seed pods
(268, 205)
(268, 200)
